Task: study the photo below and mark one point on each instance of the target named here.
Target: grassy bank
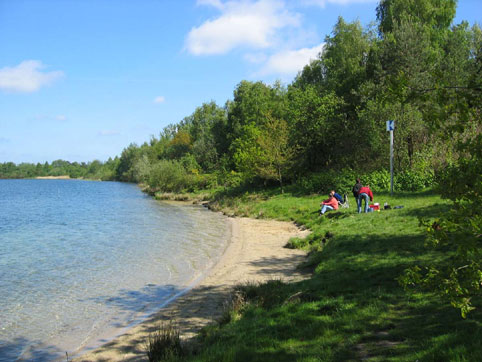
(352, 308)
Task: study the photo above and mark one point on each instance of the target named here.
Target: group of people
(360, 193)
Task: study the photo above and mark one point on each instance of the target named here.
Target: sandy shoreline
(255, 253)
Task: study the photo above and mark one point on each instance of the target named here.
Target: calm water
(80, 261)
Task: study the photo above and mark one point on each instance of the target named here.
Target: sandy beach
(255, 254)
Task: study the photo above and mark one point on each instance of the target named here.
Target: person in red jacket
(330, 203)
(364, 194)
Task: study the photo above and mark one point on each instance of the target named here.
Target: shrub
(233, 307)
(164, 344)
(378, 180)
(322, 182)
(413, 180)
(167, 175)
(267, 295)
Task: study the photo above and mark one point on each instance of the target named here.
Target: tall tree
(436, 14)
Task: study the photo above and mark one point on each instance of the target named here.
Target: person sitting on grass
(364, 194)
(330, 203)
(338, 197)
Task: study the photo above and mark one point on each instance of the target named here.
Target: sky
(82, 79)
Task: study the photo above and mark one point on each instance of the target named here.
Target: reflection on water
(79, 259)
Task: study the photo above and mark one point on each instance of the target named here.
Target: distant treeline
(413, 66)
(95, 170)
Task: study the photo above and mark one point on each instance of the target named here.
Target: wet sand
(255, 254)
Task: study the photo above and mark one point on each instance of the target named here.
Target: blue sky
(81, 79)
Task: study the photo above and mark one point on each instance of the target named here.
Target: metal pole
(391, 162)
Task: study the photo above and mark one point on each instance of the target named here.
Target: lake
(81, 261)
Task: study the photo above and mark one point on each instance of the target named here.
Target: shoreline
(254, 253)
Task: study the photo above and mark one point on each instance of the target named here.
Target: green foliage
(167, 175)
(340, 180)
(276, 154)
(246, 150)
(179, 145)
(164, 344)
(413, 181)
(343, 180)
(436, 14)
(312, 133)
(458, 230)
(95, 170)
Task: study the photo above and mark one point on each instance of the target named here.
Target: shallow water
(82, 260)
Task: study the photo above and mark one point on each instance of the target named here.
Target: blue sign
(390, 125)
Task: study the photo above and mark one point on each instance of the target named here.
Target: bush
(164, 344)
(167, 176)
(343, 180)
(196, 182)
(340, 180)
(378, 180)
(413, 181)
(230, 179)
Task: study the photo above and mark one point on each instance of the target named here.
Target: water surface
(81, 260)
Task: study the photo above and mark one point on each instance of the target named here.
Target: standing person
(356, 188)
(364, 193)
(331, 203)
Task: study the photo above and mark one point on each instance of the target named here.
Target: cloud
(27, 77)
(61, 117)
(159, 99)
(109, 132)
(252, 24)
(290, 62)
(322, 3)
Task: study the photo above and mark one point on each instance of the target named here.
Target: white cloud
(61, 117)
(252, 24)
(108, 132)
(322, 3)
(159, 99)
(290, 62)
(26, 77)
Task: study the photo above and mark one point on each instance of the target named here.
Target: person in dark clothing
(356, 188)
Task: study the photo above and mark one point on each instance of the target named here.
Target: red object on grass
(375, 207)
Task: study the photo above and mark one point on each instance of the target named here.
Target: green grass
(353, 307)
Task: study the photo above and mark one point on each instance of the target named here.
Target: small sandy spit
(255, 254)
(63, 177)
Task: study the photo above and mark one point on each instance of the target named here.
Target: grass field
(353, 307)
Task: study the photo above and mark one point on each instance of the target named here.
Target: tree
(311, 126)
(458, 231)
(127, 160)
(252, 101)
(207, 127)
(276, 153)
(436, 14)
(179, 145)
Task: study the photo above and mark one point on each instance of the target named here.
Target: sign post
(390, 128)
